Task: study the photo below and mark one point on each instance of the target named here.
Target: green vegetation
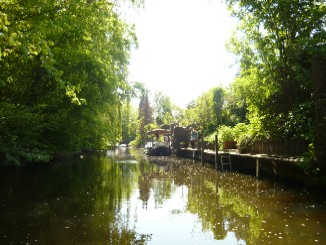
(276, 43)
(273, 94)
(160, 114)
(63, 68)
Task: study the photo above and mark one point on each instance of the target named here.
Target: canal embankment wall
(260, 165)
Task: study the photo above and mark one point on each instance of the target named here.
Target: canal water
(124, 197)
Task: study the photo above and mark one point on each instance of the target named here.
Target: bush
(21, 135)
(244, 137)
(245, 143)
(308, 163)
(210, 138)
(225, 133)
(241, 133)
(241, 130)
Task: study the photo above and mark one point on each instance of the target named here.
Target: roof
(159, 131)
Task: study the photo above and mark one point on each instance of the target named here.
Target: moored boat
(161, 146)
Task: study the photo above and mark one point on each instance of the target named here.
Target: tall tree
(145, 111)
(129, 122)
(163, 109)
(207, 111)
(276, 42)
(63, 68)
(218, 104)
(235, 108)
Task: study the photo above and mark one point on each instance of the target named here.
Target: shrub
(225, 133)
(245, 143)
(308, 163)
(243, 136)
(241, 130)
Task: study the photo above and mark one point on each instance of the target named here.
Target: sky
(181, 48)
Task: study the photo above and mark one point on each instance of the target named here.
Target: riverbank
(260, 165)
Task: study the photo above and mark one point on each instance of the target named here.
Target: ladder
(225, 160)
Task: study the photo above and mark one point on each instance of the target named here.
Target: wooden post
(257, 167)
(274, 167)
(202, 150)
(216, 151)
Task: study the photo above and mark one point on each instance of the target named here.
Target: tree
(129, 122)
(145, 114)
(164, 110)
(235, 108)
(276, 41)
(145, 110)
(63, 69)
(218, 104)
(207, 111)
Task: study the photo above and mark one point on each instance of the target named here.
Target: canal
(123, 197)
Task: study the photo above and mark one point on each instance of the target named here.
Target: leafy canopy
(63, 69)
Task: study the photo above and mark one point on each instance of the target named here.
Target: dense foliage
(63, 78)
(206, 112)
(272, 96)
(145, 117)
(62, 74)
(276, 42)
(129, 122)
(163, 108)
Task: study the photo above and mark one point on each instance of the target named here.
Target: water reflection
(123, 197)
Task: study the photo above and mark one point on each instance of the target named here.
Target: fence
(273, 147)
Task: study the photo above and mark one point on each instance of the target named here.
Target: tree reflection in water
(123, 197)
(236, 208)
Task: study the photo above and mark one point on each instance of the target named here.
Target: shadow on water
(124, 197)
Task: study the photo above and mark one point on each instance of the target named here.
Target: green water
(122, 197)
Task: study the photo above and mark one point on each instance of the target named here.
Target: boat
(160, 144)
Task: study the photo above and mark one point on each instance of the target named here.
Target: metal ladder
(226, 160)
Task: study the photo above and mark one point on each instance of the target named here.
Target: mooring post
(257, 167)
(202, 150)
(216, 151)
